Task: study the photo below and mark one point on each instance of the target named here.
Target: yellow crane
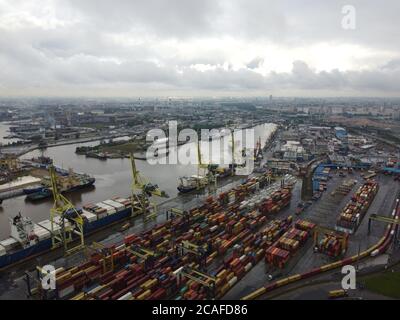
(207, 172)
(148, 256)
(200, 277)
(343, 237)
(142, 191)
(65, 219)
(107, 254)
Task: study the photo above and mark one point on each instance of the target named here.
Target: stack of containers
(9, 244)
(2, 251)
(110, 210)
(290, 245)
(279, 253)
(117, 205)
(100, 212)
(207, 227)
(277, 257)
(304, 225)
(276, 202)
(331, 245)
(41, 232)
(126, 202)
(91, 217)
(297, 234)
(354, 211)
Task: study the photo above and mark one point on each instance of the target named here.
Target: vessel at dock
(188, 184)
(68, 181)
(96, 217)
(197, 182)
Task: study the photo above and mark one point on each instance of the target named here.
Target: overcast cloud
(198, 47)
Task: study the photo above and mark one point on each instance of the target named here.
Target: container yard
(211, 248)
(354, 211)
(221, 236)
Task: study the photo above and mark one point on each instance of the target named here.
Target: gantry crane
(106, 253)
(258, 155)
(199, 277)
(148, 256)
(208, 171)
(344, 237)
(142, 191)
(64, 215)
(384, 219)
(200, 251)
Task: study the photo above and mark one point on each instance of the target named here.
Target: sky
(126, 48)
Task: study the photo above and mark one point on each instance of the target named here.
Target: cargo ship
(188, 184)
(196, 182)
(232, 241)
(29, 239)
(70, 183)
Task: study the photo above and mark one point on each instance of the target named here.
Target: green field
(387, 284)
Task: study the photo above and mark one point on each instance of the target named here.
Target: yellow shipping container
(144, 295)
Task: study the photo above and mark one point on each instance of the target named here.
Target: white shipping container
(232, 281)
(47, 225)
(213, 228)
(110, 210)
(118, 206)
(2, 251)
(89, 216)
(248, 266)
(41, 233)
(126, 296)
(9, 244)
(122, 246)
(124, 201)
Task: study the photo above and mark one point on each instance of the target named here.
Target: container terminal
(283, 231)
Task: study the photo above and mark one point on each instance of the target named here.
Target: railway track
(373, 251)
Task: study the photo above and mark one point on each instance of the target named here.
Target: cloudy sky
(198, 47)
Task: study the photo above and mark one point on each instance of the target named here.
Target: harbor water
(113, 178)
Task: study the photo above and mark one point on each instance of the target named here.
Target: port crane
(65, 219)
(342, 236)
(258, 155)
(199, 277)
(148, 256)
(142, 191)
(376, 217)
(211, 174)
(199, 251)
(106, 254)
